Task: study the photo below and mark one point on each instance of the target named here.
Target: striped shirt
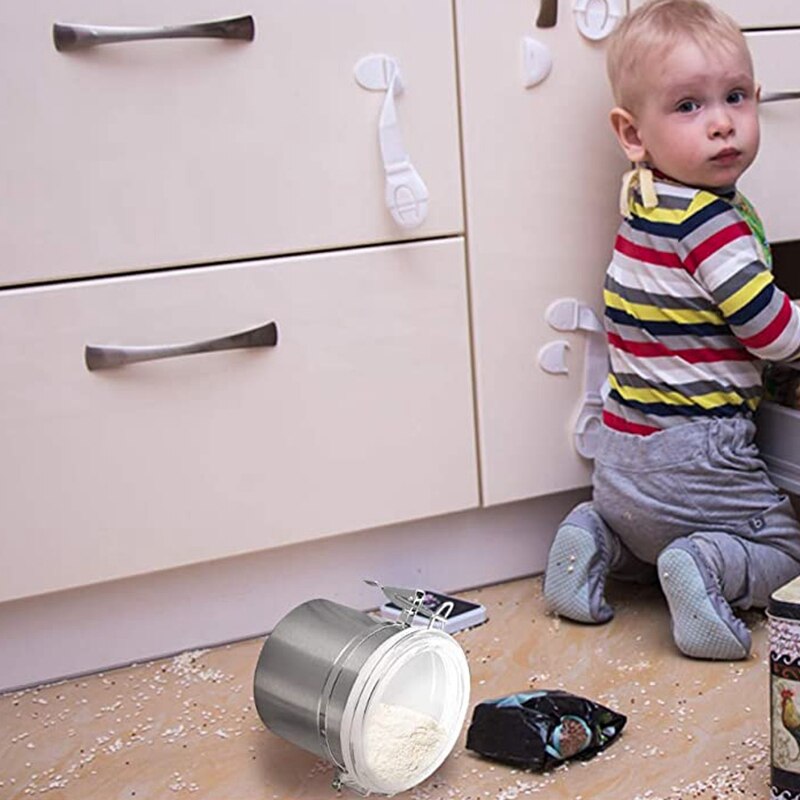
(691, 311)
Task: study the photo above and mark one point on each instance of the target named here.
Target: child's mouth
(727, 156)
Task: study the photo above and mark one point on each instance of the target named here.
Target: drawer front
(772, 180)
(760, 14)
(191, 151)
(360, 416)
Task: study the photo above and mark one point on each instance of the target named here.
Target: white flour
(400, 742)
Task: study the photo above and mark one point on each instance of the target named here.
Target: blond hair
(656, 26)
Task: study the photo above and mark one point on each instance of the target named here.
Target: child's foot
(703, 624)
(576, 568)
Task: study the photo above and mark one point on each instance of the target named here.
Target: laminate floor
(186, 726)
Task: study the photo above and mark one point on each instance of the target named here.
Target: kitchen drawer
(779, 441)
(771, 183)
(194, 151)
(360, 416)
(760, 14)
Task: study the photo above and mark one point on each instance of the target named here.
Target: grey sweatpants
(705, 481)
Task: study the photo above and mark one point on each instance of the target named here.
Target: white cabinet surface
(756, 13)
(146, 154)
(172, 191)
(542, 175)
(360, 416)
(762, 14)
(772, 180)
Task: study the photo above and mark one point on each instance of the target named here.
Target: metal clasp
(412, 603)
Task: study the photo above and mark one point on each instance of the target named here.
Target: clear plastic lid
(405, 711)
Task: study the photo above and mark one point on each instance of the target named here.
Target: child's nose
(720, 123)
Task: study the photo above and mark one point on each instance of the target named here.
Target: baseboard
(63, 634)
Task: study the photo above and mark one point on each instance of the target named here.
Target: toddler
(691, 310)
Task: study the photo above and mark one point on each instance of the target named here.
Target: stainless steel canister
(784, 656)
(308, 666)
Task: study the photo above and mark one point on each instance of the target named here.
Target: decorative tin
(784, 626)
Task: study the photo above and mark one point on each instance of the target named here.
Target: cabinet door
(760, 14)
(771, 183)
(360, 416)
(542, 173)
(151, 153)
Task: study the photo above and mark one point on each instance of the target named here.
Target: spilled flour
(400, 742)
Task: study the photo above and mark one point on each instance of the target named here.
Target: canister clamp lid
(411, 601)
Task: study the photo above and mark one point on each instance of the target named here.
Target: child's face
(698, 122)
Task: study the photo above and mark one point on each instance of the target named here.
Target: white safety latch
(553, 357)
(537, 61)
(597, 18)
(406, 193)
(568, 314)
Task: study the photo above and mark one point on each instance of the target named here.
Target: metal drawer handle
(78, 37)
(774, 97)
(104, 357)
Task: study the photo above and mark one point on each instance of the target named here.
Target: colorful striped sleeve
(718, 248)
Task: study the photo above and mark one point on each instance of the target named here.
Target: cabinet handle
(78, 37)
(548, 14)
(105, 357)
(774, 97)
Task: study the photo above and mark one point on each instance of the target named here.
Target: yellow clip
(643, 178)
(647, 188)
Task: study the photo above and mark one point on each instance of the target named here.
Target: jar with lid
(384, 702)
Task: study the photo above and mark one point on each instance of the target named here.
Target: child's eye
(687, 106)
(736, 97)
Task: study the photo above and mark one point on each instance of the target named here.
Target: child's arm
(720, 250)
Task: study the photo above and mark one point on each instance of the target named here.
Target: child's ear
(627, 132)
